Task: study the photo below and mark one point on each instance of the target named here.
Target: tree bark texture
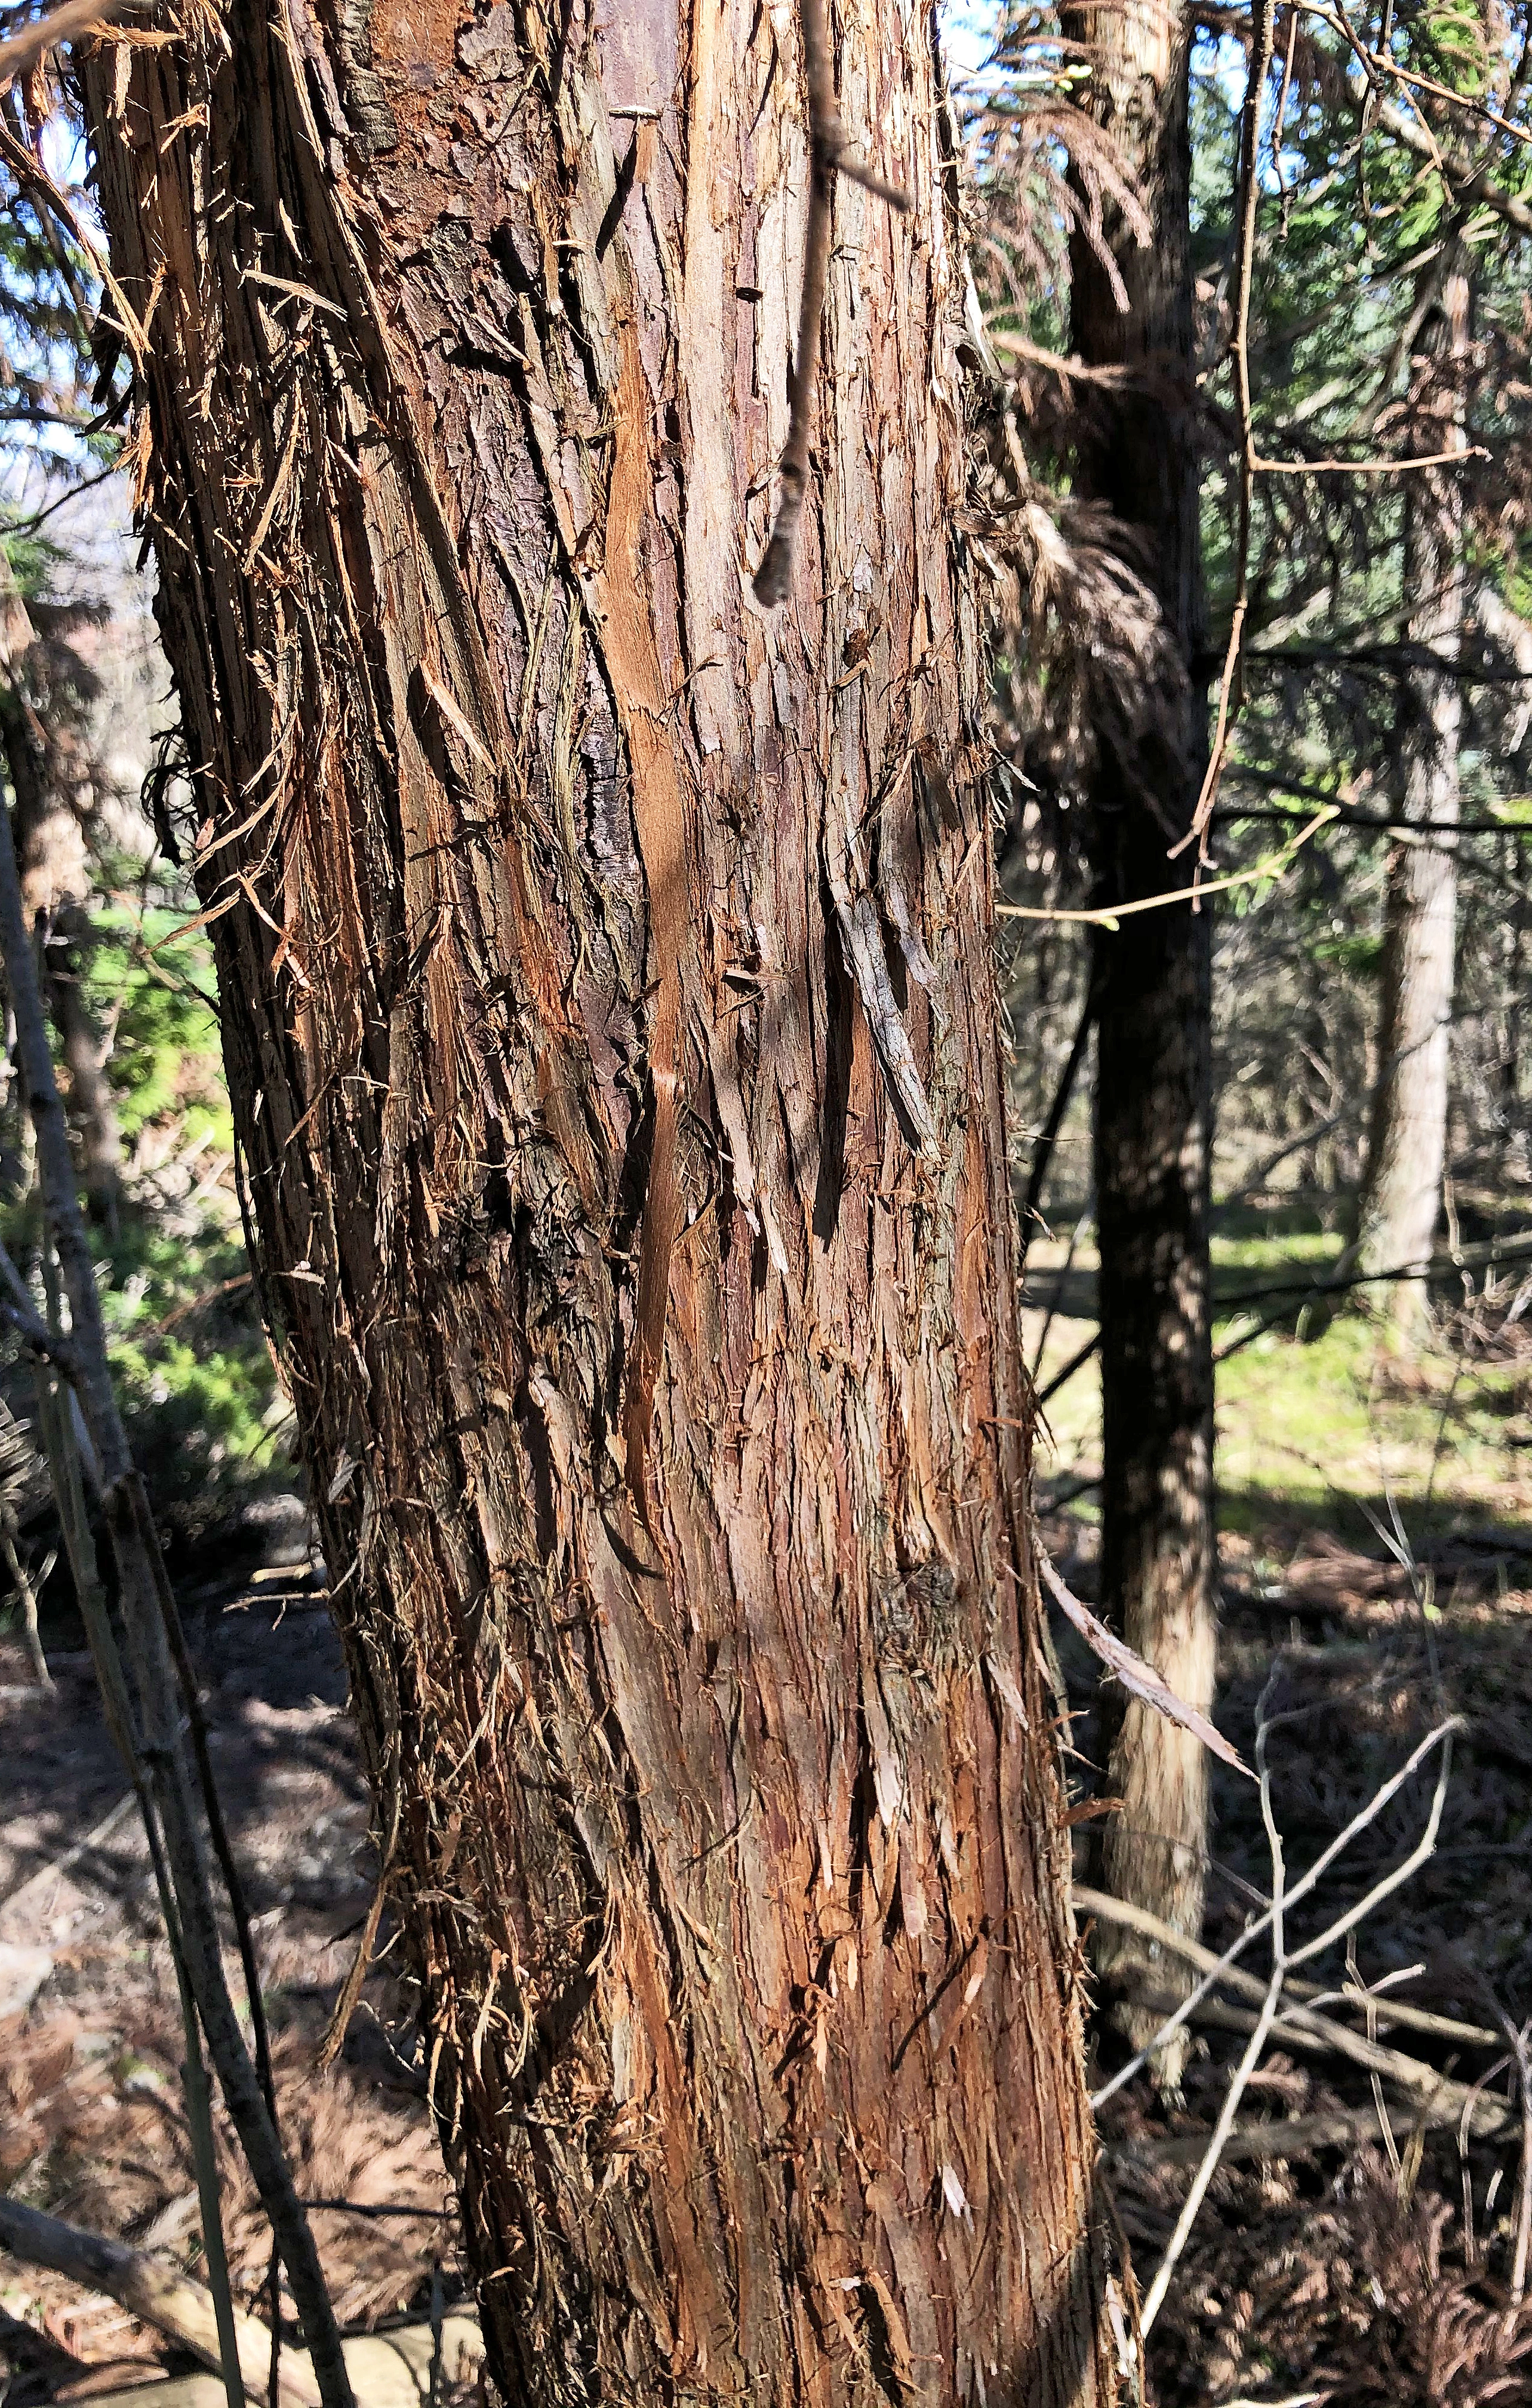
(55, 880)
(1154, 1080)
(1401, 1195)
(607, 1003)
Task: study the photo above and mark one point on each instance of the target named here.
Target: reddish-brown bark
(607, 1000)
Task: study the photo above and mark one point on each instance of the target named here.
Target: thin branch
(1069, 371)
(1377, 466)
(153, 1741)
(1077, 1363)
(1192, 2204)
(1231, 686)
(1272, 865)
(1298, 1892)
(172, 2302)
(1312, 1995)
(1287, 2136)
(1042, 1153)
(38, 518)
(1470, 183)
(27, 1595)
(1518, 2037)
(1303, 2028)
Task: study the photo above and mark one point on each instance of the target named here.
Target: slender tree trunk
(1401, 1192)
(1153, 1084)
(54, 880)
(607, 1003)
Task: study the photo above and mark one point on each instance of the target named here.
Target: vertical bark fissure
(702, 1784)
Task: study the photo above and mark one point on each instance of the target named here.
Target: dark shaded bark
(608, 1001)
(1406, 1153)
(1151, 979)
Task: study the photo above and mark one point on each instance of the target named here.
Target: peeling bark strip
(827, 157)
(609, 1012)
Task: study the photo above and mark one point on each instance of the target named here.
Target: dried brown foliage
(1337, 2286)
(103, 2140)
(1087, 670)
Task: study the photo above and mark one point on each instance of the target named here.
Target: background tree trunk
(607, 999)
(55, 881)
(1401, 1193)
(1153, 1081)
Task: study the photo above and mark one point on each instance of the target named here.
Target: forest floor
(90, 2125)
(1376, 1570)
(1378, 2268)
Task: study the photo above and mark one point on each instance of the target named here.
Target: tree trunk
(609, 1012)
(1153, 1084)
(1401, 1192)
(55, 880)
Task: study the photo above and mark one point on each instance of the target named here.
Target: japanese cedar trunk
(1151, 979)
(607, 1006)
(1406, 1155)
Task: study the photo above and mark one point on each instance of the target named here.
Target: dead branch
(1108, 915)
(1313, 2035)
(20, 52)
(1464, 180)
(1136, 1675)
(1301, 2027)
(1288, 2136)
(171, 2303)
(1231, 685)
(392, 2369)
(1389, 2011)
(148, 1739)
(1441, 1737)
(37, 1883)
(1261, 2028)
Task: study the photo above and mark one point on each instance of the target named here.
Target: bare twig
(1191, 2205)
(35, 1883)
(1302, 1887)
(1288, 2136)
(1066, 1372)
(1465, 181)
(56, 1424)
(234, 1286)
(1377, 466)
(28, 1597)
(829, 156)
(1419, 2085)
(1430, 2089)
(1042, 1153)
(1272, 865)
(1069, 371)
(1519, 2036)
(1386, 2011)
